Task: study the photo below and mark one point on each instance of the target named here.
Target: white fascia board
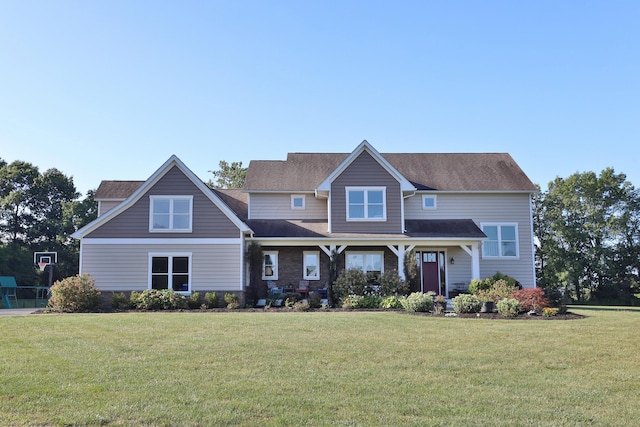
(451, 241)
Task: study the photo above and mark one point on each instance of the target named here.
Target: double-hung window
(501, 242)
(365, 261)
(170, 271)
(270, 265)
(366, 204)
(171, 213)
(311, 261)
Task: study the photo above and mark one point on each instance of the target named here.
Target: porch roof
(427, 229)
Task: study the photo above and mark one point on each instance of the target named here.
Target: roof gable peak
(365, 146)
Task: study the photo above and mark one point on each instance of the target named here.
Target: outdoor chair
(8, 288)
(303, 288)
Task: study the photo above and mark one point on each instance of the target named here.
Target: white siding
(278, 206)
(124, 267)
(484, 207)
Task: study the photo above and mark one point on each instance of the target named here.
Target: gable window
(171, 213)
(170, 271)
(428, 202)
(365, 261)
(297, 201)
(501, 242)
(270, 265)
(311, 261)
(366, 204)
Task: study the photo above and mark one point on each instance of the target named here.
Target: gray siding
(365, 171)
(208, 219)
(484, 207)
(105, 206)
(278, 206)
(124, 267)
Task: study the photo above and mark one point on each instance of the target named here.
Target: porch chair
(303, 288)
(8, 288)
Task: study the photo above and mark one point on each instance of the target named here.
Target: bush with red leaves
(532, 299)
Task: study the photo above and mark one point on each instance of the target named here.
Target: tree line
(38, 212)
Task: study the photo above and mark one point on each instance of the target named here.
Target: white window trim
(298, 196)
(276, 262)
(365, 253)
(304, 265)
(366, 205)
(170, 229)
(435, 202)
(171, 255)
(500, 225)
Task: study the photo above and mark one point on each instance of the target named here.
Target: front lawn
(336, 368)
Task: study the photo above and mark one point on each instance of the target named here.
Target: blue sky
(111, 89)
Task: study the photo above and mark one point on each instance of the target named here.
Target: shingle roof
(427, 171)
(116, 189)
(427, 228)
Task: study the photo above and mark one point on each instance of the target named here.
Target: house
(464, 216)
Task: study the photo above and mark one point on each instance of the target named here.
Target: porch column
(475, 261)
(399, 252)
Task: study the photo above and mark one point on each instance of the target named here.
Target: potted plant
(441, 302)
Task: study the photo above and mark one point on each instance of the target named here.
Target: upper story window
(366, 204)
(502, 241)
(429, 202)
(171, 213)
(297, 201)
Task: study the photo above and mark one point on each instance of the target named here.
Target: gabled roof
(116, 190)
(364, 146)
(133, 197)
(425, 171)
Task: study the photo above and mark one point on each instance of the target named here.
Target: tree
(229, 175)
(580, 224)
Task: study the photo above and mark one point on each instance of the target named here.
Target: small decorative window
(170, 213)
(170, 271)
(297, 201)
(366, 204)
(270, 265)
(311, 265)
(428, 202)
(501, 242)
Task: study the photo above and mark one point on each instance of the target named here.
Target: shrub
(301, 306)
(391, 303)
(360, 302)
(315, 301)
(549, 312)
(350, 282)
(531, 299)
(500, 289)
(392, 284)
(508, 307)
(195, 300)
(133, 299)
(466, 303)
(159, 299)
(231, 300)
(417, 301)
(119, 301)
(477, 285)
(74, 294)
(211, 300)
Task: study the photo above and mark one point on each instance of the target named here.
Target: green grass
(340, 368)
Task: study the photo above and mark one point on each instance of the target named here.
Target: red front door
(430, 272)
